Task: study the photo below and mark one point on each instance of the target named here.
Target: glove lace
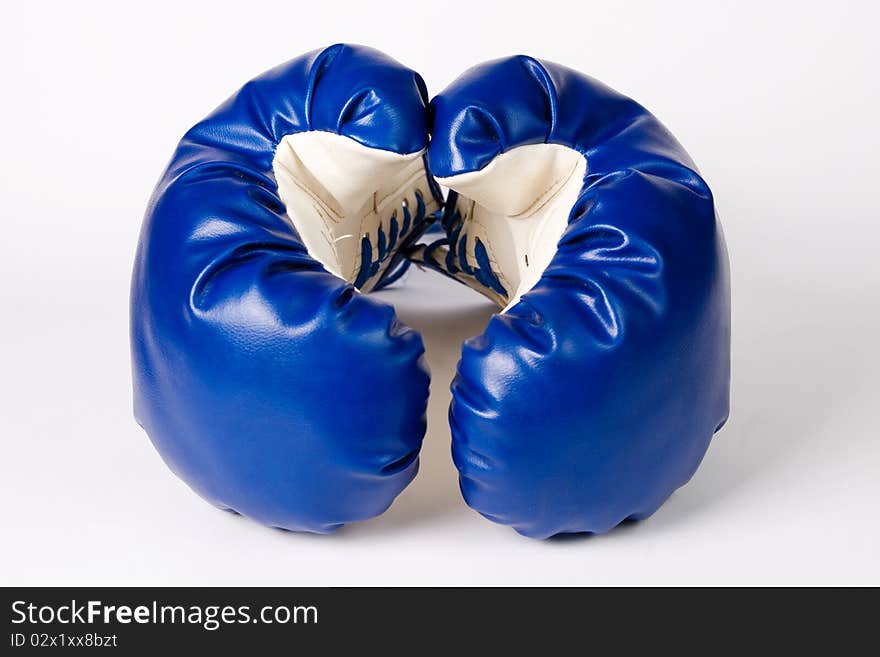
(457, 255)
(373, 255)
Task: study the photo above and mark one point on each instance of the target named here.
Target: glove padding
(595, 393)
(266, 382)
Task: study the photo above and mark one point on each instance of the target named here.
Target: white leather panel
(518, 205)
(336, 190)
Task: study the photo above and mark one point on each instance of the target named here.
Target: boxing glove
(594, 392)
(263, 376)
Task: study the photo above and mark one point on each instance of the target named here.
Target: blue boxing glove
(264, 378)
(594, 393)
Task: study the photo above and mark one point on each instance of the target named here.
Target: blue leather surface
(267, 384)
(596, 396)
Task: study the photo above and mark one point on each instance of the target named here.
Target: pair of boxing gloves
(275, 386)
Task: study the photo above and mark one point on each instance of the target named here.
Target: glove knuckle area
(350, 90)
(280, 410)
(557, 429)
(489, 109)
(364, 94)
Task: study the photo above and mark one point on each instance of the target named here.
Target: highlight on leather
(265, 380)
(593, 394)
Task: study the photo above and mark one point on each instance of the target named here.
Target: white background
(777, 102)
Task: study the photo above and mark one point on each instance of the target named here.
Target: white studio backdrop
(777, 102)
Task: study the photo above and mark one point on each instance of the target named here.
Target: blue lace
(386, 245)
(456, 256)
